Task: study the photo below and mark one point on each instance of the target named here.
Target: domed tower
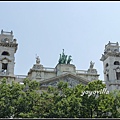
(8, 47)
(111, 65)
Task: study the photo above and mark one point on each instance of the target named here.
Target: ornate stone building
(63, 71)
(111, 66)
(8, 47)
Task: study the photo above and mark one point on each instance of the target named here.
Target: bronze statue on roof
(63, 58)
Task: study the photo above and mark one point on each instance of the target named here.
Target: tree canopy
(26, 101)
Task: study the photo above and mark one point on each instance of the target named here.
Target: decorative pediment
(5, 60)
(71, 79)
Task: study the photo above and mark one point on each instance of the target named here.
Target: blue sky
(82, 29)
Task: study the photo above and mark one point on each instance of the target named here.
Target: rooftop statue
(69, 59)
(2, 31)
(63, 58)
(91, 64)
(37, 60)
(60, 59)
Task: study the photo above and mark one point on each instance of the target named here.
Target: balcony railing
(49, 69)
(81, 71)
(21, 76)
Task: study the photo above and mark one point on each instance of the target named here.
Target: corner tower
(8, 47)
(111, 66)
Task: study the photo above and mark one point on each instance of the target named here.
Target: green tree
(18, 100)
(27, 101)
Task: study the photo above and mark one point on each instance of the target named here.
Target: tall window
(4, 66)
(118, 75)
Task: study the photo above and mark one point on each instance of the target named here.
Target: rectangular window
(118, 75)
(4, 66)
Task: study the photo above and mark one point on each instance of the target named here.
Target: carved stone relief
(71, 82)
(38, 75)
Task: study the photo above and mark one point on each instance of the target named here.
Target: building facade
(8, 47)
(63, 71)
(111, 66)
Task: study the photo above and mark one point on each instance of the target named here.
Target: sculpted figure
(60, 59)
(91, 64)
(37, 60)
(63, 58)
(69, 59)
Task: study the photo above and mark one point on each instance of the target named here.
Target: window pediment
(5, 60)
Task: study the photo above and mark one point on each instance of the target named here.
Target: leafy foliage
(27, 101)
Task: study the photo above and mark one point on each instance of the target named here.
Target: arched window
(116, 63)
(106, 64)
(5, 53)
